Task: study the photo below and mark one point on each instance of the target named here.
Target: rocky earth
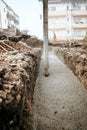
(28, 39)
(19, 62)
(18, 72)
(74, 55)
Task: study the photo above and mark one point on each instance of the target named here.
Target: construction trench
(23, 98)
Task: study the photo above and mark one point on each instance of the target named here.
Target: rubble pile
(18, 72)
(3, 37)
(25, 43)
(6, 46)
(75, 57)
(13, 38)
(33, 42)
(28, 39)
(18, 45)
(19, 38)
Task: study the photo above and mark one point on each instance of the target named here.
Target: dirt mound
(19, 64)
(75, 57)
(18, 72)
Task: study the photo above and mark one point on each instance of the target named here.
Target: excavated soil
(74, 55)
(18, 72)
(19, 63)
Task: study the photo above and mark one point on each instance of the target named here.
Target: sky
(29, 12)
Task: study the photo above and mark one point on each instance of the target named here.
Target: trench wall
(75, 59)
(18, 73)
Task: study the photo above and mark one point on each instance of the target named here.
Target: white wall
(69, 32)
(3, 11)
(0, 15)
(5, 22)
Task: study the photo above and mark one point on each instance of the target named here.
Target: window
(67, 7)
(78, 33)
(86, 7)
(67, 19)
(77, 7)
(53, 21)
(57, 20)
(77, 20)
(52, 8)
(68, 31)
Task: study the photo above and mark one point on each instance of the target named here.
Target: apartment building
(67, 20)
(3, 13)
(9, 20)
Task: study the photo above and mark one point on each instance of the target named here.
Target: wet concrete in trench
(60, 100)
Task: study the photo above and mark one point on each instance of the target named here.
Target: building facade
(67, 20)
(9, 20)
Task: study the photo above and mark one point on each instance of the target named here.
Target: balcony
(10, 16)
(57, 14)
(16, 21)
(57, 26)
(79, 13)
(80, 25)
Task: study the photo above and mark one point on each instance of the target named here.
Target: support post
(45, 36)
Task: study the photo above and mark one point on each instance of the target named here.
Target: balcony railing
(79, 25)
(79, 13)
(10, 16)
(57, 13)
(57, 26)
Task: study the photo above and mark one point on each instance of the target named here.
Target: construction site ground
(60, 100)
